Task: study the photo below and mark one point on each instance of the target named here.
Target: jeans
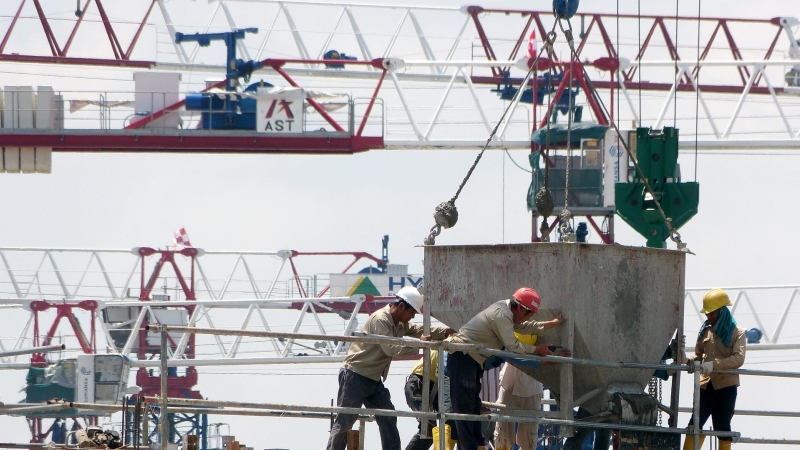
(354, 391)
(602, 436)
(719, 404)
(413, 392)
(465, 395)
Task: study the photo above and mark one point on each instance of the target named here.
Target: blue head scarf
(724, 327)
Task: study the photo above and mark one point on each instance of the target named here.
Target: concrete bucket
(623, 304)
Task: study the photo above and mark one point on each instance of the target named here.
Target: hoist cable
(639, 59)
(677, 79)
(446, 214)
(567, 235)
(673, 233)
(544, 198)
(697, 92)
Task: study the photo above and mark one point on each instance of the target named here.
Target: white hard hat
(411, 296)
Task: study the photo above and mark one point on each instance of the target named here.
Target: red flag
(532, 44)
(181, 238)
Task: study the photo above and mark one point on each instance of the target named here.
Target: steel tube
(373, 339)
(768, 441)
(30, 351)
(32, 409)
(162, 426)
(750, 412)
(321, 409)
(388, 412)
(696, 407)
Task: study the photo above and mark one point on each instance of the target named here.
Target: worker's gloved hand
(676, 350)
(707, 367)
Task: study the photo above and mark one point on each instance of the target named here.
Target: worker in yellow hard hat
(413, 391)
(720, 345)
(518, 390)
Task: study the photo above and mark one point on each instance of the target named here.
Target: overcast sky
(743, 235)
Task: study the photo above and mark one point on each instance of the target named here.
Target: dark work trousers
(719, 404)
(465, 395)
(602, 437)
(354, 391)
(413, 392)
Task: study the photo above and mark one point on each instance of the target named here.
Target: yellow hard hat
(714, 300)
(529, 339)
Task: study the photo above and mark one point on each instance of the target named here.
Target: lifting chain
(567, 234)
(654, 388)
(544, 198)
(446, 215)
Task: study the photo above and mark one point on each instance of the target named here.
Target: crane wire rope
(673, 233)
(567, 235)
(446, 214)
(639, 60)
(544, 198)
(697, 91)
(675, 94)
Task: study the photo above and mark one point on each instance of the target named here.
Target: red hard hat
(528, 297)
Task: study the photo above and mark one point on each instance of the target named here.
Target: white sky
(743, 234)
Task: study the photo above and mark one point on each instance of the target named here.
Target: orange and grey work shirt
(373, 360)
(494, 328)
(711, 348)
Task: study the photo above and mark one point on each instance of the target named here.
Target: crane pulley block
(657, 155)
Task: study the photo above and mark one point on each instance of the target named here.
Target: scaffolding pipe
(27, 408)
(162, 425)
(451, 346)
(202, 406)
(30, 351)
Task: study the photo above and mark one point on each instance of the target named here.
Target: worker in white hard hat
(720, 345)
(518, 390)
(494, 328)
(366, 366)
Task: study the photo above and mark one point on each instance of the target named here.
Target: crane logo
(285, 107)
(280, 113)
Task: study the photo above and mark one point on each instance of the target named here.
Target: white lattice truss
(253, 307)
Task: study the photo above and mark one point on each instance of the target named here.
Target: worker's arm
(503, 327)
(698, 347)
(736, 359)
(438, 332)
(386, 328)
(553, 323)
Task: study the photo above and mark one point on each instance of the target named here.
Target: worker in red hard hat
(366, 366)
(494, 328)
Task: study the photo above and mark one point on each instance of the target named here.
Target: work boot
(688, 444)
(724, 445)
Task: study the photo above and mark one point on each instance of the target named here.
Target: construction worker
(518, 390)
(366, 366)
(720, 345)
(414, 391)
(493, 328)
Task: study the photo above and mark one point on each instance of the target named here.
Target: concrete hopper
(623, 303)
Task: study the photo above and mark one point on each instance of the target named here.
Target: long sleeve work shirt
(711, 348)
(494, 328)
(373, 360)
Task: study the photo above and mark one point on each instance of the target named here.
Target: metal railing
(238, 408)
